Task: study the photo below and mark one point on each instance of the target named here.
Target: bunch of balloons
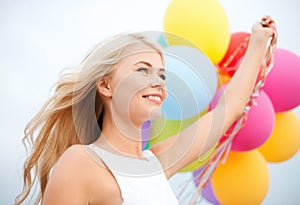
(201, 57)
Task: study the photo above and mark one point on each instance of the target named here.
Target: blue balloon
(191, 82)
(162, 40)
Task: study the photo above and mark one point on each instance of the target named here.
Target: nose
(157, 81)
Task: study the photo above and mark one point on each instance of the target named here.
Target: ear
(104, 88)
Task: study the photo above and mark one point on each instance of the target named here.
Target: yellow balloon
(242, 179)
(284, 142)
(202, 23)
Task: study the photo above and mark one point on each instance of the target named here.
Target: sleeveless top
(141, 181)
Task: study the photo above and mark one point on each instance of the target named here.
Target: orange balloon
(284, 142)
(223, 79)
(242, 179)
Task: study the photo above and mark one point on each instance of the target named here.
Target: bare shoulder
(74, 161)
(68, 181)
(78, 179)
(73, 156)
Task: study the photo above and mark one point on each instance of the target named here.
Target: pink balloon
(216, 98)
(258, 127)
(283, 82)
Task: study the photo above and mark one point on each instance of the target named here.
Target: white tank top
(141, 181)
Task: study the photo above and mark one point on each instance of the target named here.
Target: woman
(120, 85)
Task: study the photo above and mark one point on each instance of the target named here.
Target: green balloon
(199, 162)
(162, 128)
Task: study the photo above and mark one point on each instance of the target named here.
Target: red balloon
(237, 48)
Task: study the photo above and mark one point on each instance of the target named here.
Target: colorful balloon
(198, 163)
(202, 23)
(162, 128)
(223, 78)
(258, 127)
(146, 126)
(237, 48)
(191, 82)
(207, 192)
(196, 176)
(283, 82)
(242, 179)
(162, 40)
(284, 142)
(209, 195)
(216, 98)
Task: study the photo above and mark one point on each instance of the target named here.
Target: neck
(121, 138)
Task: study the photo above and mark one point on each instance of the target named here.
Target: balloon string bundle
(223, 147)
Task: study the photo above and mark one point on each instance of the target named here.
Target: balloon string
(223, 147)
(179, 195)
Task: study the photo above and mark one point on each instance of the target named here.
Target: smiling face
(137, 88)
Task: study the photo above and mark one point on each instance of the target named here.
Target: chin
(155, 113)
(139, 117)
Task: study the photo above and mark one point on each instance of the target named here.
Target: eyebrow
(149, 64)
(144, 62)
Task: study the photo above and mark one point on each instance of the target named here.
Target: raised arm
(179, 151)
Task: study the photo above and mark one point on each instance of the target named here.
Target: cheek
(126, 91)
(165, 93)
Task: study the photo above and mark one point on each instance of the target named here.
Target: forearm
(240, 87)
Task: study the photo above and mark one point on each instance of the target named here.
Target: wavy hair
(74, 112)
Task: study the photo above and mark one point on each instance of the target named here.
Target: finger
(265, 24)
(269, 23)
(267, 20)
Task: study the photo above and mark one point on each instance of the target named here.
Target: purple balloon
(145, 134)
(196, 176)
(209, 195)
(207, 192)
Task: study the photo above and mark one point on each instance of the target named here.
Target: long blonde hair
(73, 114)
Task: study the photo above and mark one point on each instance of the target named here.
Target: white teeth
(154, 97)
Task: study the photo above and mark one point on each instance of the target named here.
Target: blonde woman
(119, 85)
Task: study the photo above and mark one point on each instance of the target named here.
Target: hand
(264, 30)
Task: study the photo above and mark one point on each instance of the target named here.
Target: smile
(153, 98)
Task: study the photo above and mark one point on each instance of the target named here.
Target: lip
(157, 98)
